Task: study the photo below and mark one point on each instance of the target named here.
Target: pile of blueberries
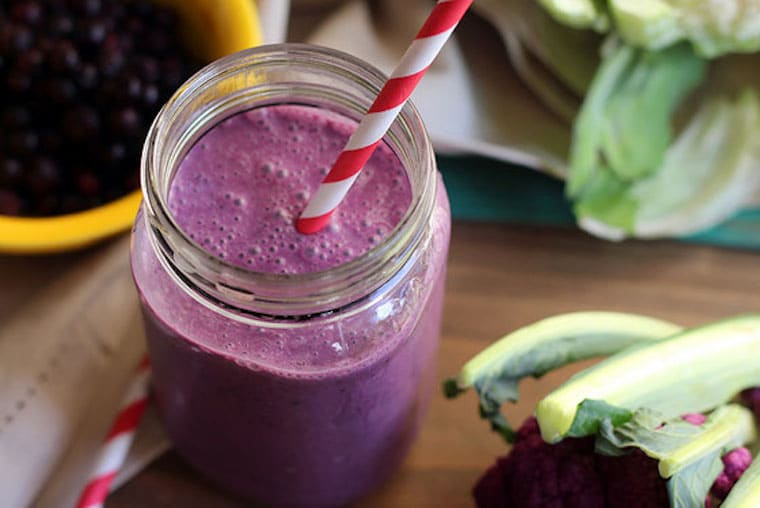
(80, 82)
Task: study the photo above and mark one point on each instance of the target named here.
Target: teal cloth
(484, 189)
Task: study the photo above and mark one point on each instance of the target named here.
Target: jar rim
(239, 291)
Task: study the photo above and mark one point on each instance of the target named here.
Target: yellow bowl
(211, 29)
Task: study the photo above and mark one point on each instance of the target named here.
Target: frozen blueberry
(85, 78)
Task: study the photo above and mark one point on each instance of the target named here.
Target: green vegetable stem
(544, 346)
(690, 372)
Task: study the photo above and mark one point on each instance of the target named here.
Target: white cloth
(65, 359)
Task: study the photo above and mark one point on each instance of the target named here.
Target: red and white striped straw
(118, 440)
(394, 94)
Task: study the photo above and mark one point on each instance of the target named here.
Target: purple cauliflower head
(751, 397)
(570, 474)
(735, 463)
(694, 418)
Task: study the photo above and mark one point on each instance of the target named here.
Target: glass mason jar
(299, 432)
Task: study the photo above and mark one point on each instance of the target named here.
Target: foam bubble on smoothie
(240, 188)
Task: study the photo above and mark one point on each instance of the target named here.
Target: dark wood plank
(501, 277)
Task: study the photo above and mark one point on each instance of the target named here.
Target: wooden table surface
(501, 277)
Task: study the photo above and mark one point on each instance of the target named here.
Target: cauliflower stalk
(713, 27)
(656, 152)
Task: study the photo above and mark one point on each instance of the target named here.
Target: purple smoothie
(238, 190)
(314, 413)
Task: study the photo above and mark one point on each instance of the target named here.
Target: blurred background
(540, 111)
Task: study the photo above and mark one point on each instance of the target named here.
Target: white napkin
(65, 359)
(274, 15)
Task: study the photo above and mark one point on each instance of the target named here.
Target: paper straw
(373, 126)
(118, 440)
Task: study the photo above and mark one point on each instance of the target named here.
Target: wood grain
(501, 277)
